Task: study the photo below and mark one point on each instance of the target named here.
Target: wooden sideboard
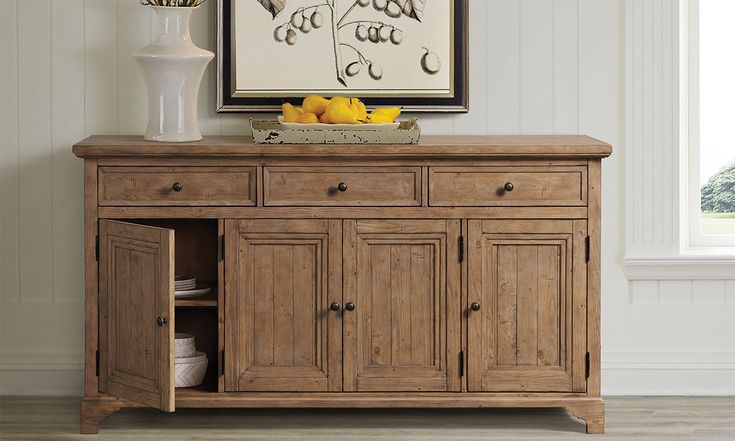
(459, 272)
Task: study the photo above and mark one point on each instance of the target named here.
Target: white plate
(187, 286)
(185, 282)
(188, 293)
(321, 126)
(179, 280)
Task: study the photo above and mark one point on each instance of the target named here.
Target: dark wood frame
(459, 103)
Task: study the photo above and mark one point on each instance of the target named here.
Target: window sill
(690, 265)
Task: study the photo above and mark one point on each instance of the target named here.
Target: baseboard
(623, 373)
(41, 374)
(668, 373)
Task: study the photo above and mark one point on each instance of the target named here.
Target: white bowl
(185, 353)
(184, 345)
(190, 374)
(196, 357)
(181, 338)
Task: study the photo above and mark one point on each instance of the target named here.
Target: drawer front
(197, 186)
(363, 186)
(485, 186)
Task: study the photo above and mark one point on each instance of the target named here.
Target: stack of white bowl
(190, 365)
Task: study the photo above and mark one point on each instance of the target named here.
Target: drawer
(197, 186)
(485, 186)
(363, 186)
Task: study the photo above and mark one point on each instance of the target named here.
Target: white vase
(172, 68)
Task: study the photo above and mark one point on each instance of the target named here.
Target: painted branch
(337, 50)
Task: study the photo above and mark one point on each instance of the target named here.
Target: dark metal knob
(161, 320)
(177, 186)
(475, 306)
(334, 306)
(350, 306)
(508, 186)
(342, 187)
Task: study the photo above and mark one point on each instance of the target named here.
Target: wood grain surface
(136, 289)
(523, 337)
(568, 146)
(277, 331)
(146, 186)
(400, 325)
(485, 186)
(365, 186)
(419, 234)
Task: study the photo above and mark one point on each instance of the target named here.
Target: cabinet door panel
(405, 323)
(530, 280)
(281, 278)
(136, 288)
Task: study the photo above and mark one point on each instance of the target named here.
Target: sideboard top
(566, 146)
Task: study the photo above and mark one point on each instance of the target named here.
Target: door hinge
(461, 364)
(96, 363)
(221, 363)
(587, 365)
(587, 249)
(96, 248)
(221, 248)
(461, 248)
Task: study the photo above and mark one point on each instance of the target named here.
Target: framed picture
(408, 53)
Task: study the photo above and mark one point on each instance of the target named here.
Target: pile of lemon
(338, 110)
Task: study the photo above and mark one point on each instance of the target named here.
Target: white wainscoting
(536, 66)
(652, 124)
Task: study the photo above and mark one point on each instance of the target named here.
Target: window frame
(692, 237)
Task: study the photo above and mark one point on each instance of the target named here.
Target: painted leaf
(412, 8)
(273, 6)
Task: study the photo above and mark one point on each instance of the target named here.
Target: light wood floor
(628, 418)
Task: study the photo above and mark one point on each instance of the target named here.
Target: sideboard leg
(592, 413)
(96, 409)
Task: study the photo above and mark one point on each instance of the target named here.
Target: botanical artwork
(366, 47)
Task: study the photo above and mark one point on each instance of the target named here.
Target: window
(711, 125)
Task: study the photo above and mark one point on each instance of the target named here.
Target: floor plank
(628, 418)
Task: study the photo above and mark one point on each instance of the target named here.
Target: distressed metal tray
(272, 132)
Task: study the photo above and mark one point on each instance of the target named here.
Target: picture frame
(258, 69)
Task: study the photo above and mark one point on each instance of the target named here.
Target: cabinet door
(404, 279)
(281, 276)
(529, 280)
(136, 305)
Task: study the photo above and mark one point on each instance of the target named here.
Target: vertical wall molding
(651, 127)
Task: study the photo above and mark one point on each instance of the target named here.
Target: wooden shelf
(208, 301)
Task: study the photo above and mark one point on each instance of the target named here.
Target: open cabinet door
(136, 301)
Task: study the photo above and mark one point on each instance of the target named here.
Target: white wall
(537, 66)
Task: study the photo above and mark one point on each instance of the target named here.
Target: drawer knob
(177, 187)
(475, 306)
(342, 187)
(161, 320)
(508, 186)
(334, 306)
(350, 306)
